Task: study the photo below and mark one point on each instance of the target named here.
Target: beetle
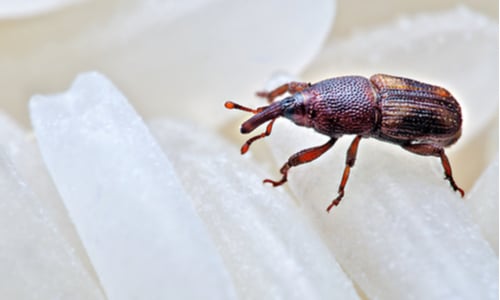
(420, 117)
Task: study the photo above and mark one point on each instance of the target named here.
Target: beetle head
(292, 108)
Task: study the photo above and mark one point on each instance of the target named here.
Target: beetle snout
(270, 112)
(247, 128)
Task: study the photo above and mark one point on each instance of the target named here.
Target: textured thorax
(343, 105)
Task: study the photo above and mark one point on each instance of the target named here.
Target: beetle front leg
(301, 157)
(350, 160)
(247, 144)
(291, 87)
(431, 150)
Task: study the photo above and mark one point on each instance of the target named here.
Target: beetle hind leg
(431, 150)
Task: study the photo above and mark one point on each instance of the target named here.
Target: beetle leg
(291, 87)
(301, 157)
(431, 150)
(349, 163)
(247, 144)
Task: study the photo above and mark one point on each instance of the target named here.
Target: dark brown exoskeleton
(421, 118)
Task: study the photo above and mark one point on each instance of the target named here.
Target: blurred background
(144, 45)
(364, 14)
(183, 59)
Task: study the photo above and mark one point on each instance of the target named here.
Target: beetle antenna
(233, 105)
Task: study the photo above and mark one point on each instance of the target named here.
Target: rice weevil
(419, 117)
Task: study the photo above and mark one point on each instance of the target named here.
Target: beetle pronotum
(421, 118)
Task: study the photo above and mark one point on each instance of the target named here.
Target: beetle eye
(294, 109)
(287, 103)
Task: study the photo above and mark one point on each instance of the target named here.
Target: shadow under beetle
(421, 118)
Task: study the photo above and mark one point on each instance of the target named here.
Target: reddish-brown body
(420, 117)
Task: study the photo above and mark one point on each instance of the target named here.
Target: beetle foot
(335, 202)
(454, 185)
(275, 183)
